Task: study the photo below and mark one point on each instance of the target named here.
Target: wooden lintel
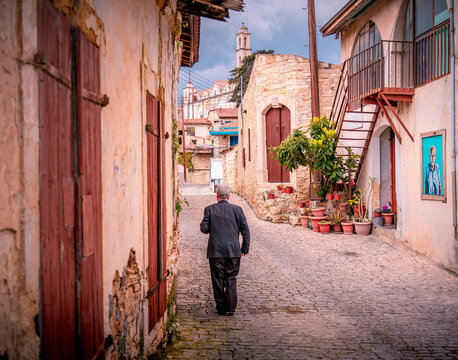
(397, 116)
(390, 121)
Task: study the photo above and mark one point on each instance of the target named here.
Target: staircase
(354, 124)
(370, 82)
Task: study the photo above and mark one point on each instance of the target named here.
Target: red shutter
(89, 232)
(57, 186)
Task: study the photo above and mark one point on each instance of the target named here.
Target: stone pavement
(304, 295)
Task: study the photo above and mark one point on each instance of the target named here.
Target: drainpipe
(452, 109)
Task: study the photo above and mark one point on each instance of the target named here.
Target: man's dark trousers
(224, 273)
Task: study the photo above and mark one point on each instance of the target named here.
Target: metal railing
(387, 64)
(432, 54)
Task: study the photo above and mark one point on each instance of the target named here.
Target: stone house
(278, 99)
(88, 228)
(396, 108)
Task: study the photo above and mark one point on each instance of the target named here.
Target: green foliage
(179, 203)
(243, 70)
(189, 164)
(175, 137)
(294, 151)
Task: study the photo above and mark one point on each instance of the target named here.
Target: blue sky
(280, 25)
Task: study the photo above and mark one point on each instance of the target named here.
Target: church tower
(243, 44)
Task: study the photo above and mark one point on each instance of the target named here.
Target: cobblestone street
(305, 295)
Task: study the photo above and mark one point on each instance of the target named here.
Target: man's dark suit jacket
(224, 221)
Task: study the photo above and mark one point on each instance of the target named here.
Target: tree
(245, 71)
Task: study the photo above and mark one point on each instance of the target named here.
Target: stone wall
(200, 171)
(278, 80)
(230, 167)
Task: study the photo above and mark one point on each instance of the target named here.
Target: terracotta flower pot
(343, 207)
(319, 211)
(337, 228)
(336, 196)
(271, 196)
(305, 221)
(363, 228)
(377, 214)
(387, 218)
(325, 228)
(278, 187)
(347, 227)
(315, 220)
(289, 189)
(283, 190)
(301, 205)
(329, 196)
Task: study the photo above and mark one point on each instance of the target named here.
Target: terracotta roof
(227, 112)
(204, 121)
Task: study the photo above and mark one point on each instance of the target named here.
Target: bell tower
(243, 44)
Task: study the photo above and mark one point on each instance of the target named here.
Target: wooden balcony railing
(387, 64)
(432, 54)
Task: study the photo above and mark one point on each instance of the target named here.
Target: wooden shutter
(89, 232)
(57, 187)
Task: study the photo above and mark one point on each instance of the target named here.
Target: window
(428, 25)
(191, 130)
(244, 42)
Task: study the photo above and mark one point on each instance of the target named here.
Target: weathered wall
(200, 172)
(283, 80)
(229, 157)
(423, 225)
(138, 54)
(19, 218)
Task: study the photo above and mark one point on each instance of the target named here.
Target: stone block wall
(230, 167)
(200, 171)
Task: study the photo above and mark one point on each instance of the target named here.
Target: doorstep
(387, 234)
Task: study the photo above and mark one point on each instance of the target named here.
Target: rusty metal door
(71, 314)
(278, 127)
(89, 201)
(157, 293)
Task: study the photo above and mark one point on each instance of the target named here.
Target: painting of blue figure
(433, 176)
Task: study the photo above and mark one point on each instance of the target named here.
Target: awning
(224, 132)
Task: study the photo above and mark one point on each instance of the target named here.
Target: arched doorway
(278, 127)
(387, 169)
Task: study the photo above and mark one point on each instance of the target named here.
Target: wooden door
(278, 127)
(58, 320)
(89, 209)
(157, 251)
(71, 315)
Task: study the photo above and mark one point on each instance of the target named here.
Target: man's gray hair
(223, 191)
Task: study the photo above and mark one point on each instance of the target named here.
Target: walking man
(224, 222)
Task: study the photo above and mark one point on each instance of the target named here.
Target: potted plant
(318, 211)
(325, 226)
(336, 218)
(279, 187)
(387, 214)
(270, 194)
(362, 223)
(315, 220)
(289, 189)
(305, 217)
(329, 196)
(347, 226)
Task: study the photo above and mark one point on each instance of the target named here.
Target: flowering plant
(385, 209)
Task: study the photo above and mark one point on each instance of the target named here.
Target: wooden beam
(390, 121)
(397, 116)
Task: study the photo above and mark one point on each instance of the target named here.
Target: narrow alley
(304, 295)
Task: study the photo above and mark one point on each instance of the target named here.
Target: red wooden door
(89, 182)
(57, 188)
(157, 250)
(278, 127)
(71, 316)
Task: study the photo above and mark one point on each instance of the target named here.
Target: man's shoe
(230, 313)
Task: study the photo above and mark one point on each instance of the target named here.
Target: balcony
(386, 68)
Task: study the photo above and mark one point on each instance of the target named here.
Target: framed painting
(433, 166)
